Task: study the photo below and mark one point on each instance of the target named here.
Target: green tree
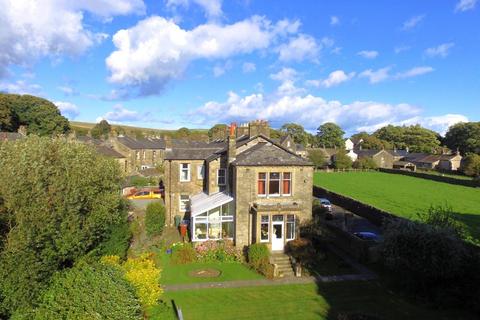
(416, 138)
(39, 115)
(342, 161)
(275, 134)
(101, 130)
(296, 131)
(8, 119)
(63, 198)
(464, 136)
(89, 291)
(183, 132)
(218, 131)
(155, 218)
(371, 141)
(365, 163)
(471, 165)
(330, 135)
(318, 157)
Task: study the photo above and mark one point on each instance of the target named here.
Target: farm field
(306, 301)
(403, 195)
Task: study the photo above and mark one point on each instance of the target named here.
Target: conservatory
(212, 217)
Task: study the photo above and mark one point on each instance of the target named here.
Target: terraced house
(247, 188)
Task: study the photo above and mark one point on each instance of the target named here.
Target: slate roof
(143, 143)
(268, 154)
(10, 136)
(189, 154)
(398, 153)
(108, 152)
(366, 153)
(85, 139)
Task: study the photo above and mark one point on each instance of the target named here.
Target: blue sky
(194, 63)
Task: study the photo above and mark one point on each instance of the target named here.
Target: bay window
(290, 227)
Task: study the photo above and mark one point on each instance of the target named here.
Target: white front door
(277, 233)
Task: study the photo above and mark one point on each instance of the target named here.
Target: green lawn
(436, 173)
(179, 273)
(404, 195)
(301, 302)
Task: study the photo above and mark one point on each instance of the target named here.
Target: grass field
(309, 301)
(404, 196)
(179, 274)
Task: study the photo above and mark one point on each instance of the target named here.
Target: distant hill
(82, 128)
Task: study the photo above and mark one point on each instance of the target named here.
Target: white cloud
(298, 49)
(439, 51)
(334, 79)
(212, 8)
(51, 28)
(400, 49)
(417, 71)
(157, 50)
(287, 78)
(20, 87)
(249, 67)
(220, 69)
(334, 20)
(311, 111)
(121, 114)
(67, 109)
(412, 22)
(68, 90)
(377, 75)
(368, 54)
(465, 5)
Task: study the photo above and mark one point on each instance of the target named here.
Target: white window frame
(223, 218)
(266, 184)
(183, 204)
(188, 172)
(200, 171)
(224, 176)
(293, 226)
(274, 195)
(268, 228)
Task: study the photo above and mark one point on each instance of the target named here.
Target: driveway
(353, 222)
(142, 204)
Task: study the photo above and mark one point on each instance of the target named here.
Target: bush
(183, 253)
(222, 251)
(118, 241)
(94, 291)
(155, 218)
(365, 163)
(342, 161)
(431, 262)
(258, 256)
(142, 273)
(301, 249)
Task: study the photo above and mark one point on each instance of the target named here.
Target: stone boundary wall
(374, 215)
(460, 182)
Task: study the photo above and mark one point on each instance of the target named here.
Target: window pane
(277, 217)
(227, 229)
(264, 231)
(275, 175)
(226, 210)
(262, 176)
(214, 230)
(261, 187)
(264, 218)
(291, 218)
(290, 230)
(274, 187)
(200, 230)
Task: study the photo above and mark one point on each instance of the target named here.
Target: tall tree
(330, 135)
(8, 119)
(296, 131)
(416, 138)
(342, 161)
(63, 198)
(39, 115)
(101, 130)
(464, 136)
(471, 165)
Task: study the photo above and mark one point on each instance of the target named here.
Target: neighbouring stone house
(247, 188)
(142, 153)
(288, 143)
(382, 158)
(117, 156)
(449, 162)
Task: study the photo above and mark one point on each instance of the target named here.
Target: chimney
(258, 127)
(168, 143)
(232, 149)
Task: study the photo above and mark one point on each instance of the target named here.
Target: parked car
(146, 194)
(366, 235)
(325, 203)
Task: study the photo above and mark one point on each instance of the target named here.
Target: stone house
(247, 188)
(382, 158)
(450, 162)
(288, 143)
(117, 156)
(141, 154)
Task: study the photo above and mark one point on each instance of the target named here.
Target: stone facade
(140, 154)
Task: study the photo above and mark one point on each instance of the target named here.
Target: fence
(438, 178)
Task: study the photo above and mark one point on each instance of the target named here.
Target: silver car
(325, 203)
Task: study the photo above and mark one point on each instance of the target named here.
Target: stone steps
(284, 265)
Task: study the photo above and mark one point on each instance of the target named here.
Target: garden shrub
(142, 273)
(118, 241)
(183, 253)
(365, 163)
(258, 257)
(301, 249)
(432, 262)
(155, 218)
(222, 251)
(89, 291)
(161, 311)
